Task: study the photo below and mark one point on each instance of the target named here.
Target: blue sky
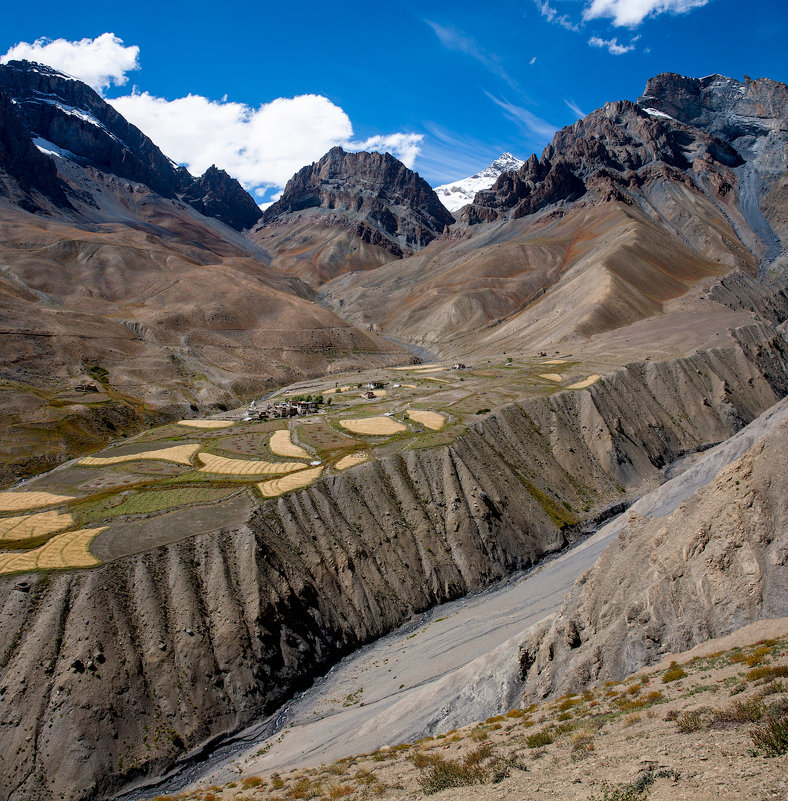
(445, 86)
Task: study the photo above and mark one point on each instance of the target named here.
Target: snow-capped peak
(459, 193)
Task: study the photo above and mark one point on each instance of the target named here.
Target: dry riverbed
(711, 723)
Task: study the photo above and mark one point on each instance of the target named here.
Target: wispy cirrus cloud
(447, 154)
(630, 13)
(622, 13)
(575, 108)
(101, 62)
(551, 14)
(531, 124)
(453, 39)
(612, 46)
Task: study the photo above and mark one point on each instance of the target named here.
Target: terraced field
(203, 475)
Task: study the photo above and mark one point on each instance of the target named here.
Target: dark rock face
(69, 114)
(72, 116)
(694, 126)
(23, 168)
(388, 204)
(216, 194)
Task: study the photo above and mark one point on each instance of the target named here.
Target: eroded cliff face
(115, 673)
(717, 563)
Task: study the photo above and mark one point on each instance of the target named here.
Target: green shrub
(748, 711)
(771, 737)
(448, 773)
(673, 673)
(690, 721)
(767, 672)
(540, 738)
(478, 755)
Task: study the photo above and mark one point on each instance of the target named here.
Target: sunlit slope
(532, 281)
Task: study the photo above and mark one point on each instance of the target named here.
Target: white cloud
(100, 62)
(631, 13)
(613, 46)
(261, 147)
(405, 146)
(532, 125)
(532, 61)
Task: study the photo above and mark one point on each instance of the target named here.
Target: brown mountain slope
(534, 282)
(627, 210)
(168, 313)
(114, 277)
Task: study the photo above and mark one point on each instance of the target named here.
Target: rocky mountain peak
(217, 194)
(679, 125)
(24, 169)
(459, 193)
(66, 117)
(391, 205)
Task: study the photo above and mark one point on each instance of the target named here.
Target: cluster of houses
(285, 409)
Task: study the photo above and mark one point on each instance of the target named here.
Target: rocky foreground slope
(718, 562)
(154, 655)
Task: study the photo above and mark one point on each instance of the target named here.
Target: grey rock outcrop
(24, 170)
(716, 135)
(718, 562)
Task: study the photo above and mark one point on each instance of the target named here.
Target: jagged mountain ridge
(626, 211)
(459, 193)
(67, 113)
(350, 211)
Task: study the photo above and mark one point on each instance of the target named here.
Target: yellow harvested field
(28, 527)
(382, 426)
(586, 382)
(182, 454)
(351, 461)
(278, 486)
(242, 467)
(430, 369)
(417, 366)
(431, 420)
(206, 423)
(336, 389)
(282, 445)
(71, 549)
(551, 377)
(379, 393)
(409, 386)
(15, 501)
(555, 361)
(442, 380)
